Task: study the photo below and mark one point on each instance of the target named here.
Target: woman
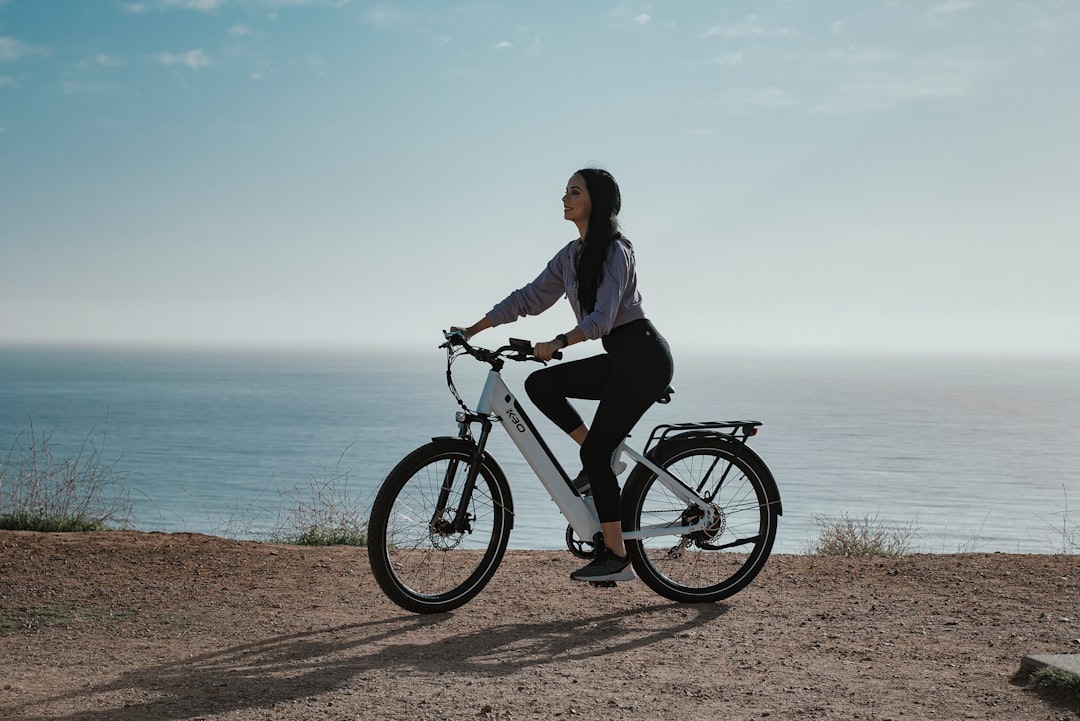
(596, 272)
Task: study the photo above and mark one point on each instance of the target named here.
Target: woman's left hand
(544, 351)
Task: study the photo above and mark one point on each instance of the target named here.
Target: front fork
(462, 520)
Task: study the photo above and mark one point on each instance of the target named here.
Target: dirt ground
(140, 627)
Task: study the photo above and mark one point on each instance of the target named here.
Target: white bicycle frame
(497, 400)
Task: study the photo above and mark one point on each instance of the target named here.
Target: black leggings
(630, 377)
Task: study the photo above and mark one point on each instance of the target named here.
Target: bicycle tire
(702, 567)
(419, 566)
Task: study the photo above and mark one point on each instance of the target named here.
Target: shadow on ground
(304, 665)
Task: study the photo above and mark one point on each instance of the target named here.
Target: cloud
(643, 19)
(109, 61)
(205, 6)
(383, 16)
(240, 30)
(194, 59)
(77, 87)
(209, 6)
(12, 49)
(750, 27)
(7, 81)
(312, 63)
(952, 7)
(856, 57)
(504, 45)
(875, 86)
(863, 80)
(769, 98)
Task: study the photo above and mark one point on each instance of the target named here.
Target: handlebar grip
(454, 337)
(557, 355)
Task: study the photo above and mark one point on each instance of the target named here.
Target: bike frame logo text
(516, 421)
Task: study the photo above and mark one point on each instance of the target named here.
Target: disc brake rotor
(443, 536)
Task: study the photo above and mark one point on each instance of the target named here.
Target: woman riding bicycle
(597, 274)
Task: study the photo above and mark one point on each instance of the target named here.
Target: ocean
(961, 454)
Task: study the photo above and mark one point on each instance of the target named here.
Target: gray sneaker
(606, 567)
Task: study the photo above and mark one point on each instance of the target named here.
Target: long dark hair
(602, 233)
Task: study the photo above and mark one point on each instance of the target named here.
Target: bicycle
(699, 509)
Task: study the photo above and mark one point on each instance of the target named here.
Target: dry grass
(868, 536)
(322, 513)
(45, 488)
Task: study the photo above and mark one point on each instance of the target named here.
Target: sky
(816, 176)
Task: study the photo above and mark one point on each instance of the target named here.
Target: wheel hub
(443, 535)
(715, 522)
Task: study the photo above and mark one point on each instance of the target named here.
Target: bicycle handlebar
(517, 349)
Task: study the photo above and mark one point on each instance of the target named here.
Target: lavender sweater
(617, 299)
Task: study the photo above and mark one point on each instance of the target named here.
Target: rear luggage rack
(737, 430)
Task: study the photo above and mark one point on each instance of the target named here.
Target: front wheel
(720, 559)
(429, 550)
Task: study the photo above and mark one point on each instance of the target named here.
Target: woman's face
(576, 202)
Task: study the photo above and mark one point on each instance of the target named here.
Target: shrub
(1056, 682)
(322, 514)
(868, 536)
(40, 491)
(1069, 527)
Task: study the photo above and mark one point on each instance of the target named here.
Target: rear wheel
(421, 556)
(740, 524)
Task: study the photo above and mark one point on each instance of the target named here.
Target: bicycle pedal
(602, 584)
